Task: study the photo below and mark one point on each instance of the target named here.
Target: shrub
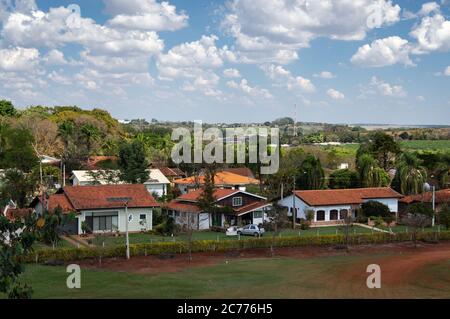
(374, 208)
(444, 217)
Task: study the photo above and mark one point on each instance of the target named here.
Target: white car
(251, 230)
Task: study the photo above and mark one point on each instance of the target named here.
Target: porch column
(327, 215)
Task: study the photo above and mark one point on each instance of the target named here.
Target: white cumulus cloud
(335, 94)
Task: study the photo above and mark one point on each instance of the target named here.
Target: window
(237, 201)
(333, 214)
(105, 223)
(257, 214)
(142, 216)
(320, 215)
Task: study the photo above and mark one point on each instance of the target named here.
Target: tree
(410, 175)
(133, 163)
(90, 133)
(370, 175)
(7, 109)
(343, 178)
(278, 219)
(207, 200)
(311, 174)
(384, 149)
(18, 151)
(17, 186)
(418, 215)
(16, 240)
(53, 221)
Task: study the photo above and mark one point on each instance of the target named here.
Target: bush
(374, 208)
(444, 217)
(72, 254)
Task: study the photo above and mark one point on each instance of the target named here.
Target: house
(172, 173)
(236, 207)
(243, 171)
(156, 184)
(331, 205)
(102, 207)
(441, 198)
(222, 179)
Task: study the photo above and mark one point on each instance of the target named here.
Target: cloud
(18, 59)
(55, 57)
(145, 15)
(246, 88)
(283, 77)
(383, 52)
(429, 7)
(336, 95)
(432, 34)
(60, 26)
(191, 59)
(274, 30)
(231, 73)
(325, 75)
(420, 98)
(447, 71)
(387, 89)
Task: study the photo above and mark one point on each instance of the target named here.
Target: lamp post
(126, 231)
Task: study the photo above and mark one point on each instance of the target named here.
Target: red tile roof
(218, 193)
(60, 200)
(18, 213)
(171, 172)
(243, 171)
(106, 196)
(441, 196)
(220, 178)
(183, 207)
(345, 196)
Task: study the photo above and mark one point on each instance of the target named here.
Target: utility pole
(126, 232)
(293, 204)
(433, 204)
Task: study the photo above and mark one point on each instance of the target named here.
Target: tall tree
(343, 178)
(132, 162)
(370, 175)
(7, 108)
(17, 186)
(311, 174)
(18, 151)
(384, 149)
(410, 175)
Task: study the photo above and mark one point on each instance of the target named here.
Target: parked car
(251, 230)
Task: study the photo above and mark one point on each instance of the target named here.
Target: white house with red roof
(104, 208)
(233, 207)
(331, 205)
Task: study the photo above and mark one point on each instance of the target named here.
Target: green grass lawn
(314, 277)
(209, 235)
(61, 244)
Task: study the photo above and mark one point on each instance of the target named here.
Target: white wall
(204, 221)
(300, 205)
(133, 226)
(160, 189)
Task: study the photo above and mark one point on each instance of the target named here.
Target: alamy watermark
(239, 145)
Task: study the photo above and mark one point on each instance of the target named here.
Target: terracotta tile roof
(243, 171)
(171, 172)
(93, 161)
(102, 196)
(251, 207)
(220, 178)
(18, 213)
(60, 200)
(329, 197)
(441, 196)
(183, 207)
(218, 193)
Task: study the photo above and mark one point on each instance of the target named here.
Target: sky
(335, 61)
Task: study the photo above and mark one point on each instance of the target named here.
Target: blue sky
(371, 61)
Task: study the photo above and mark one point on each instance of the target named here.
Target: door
(216, 219)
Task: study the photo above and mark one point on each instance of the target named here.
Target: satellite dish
(426, 187)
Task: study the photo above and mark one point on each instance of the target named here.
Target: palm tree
(410, 175)
(91, 133)
(370, 175)
(65, 132)
(311, 174)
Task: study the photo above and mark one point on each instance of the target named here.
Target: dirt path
(399, 265)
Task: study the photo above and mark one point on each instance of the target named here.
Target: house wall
(246, 199)
(300, 205)
(133, 226)
(159, 189)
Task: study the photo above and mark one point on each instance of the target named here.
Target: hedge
(71, 254)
